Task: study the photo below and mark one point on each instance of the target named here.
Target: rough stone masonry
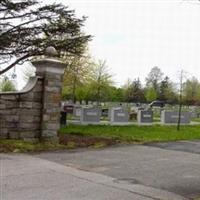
(34, 112)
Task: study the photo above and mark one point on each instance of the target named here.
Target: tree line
(89, 80)
(86, 79)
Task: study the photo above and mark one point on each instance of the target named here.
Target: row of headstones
(191, 108)
(95, 103)
(119, 115)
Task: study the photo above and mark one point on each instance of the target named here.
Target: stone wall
(34, 112)
(20, 111)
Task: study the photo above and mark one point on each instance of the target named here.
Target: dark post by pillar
(51, 70)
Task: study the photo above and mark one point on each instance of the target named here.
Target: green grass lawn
(155, 133)
(97, 136)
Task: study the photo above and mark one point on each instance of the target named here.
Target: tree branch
(22, 24)
(14, 63)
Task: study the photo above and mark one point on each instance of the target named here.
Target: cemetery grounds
(97, 136)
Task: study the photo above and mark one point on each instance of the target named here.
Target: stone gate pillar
(51, 70)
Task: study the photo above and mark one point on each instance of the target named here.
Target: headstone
(171, 117)
(194, 114)
(69, 101)
(145, 116)
(90, 115)
(102, 104)
(77, 111)
(77, 103)
(94, 103)
(133, 108)
(68, 108)
(123, 104)
(83, 102)
(119, 115)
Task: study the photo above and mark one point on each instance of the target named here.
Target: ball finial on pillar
(51, 51)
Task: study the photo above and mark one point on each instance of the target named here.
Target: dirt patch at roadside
(4, 148)
(65, 142)
(86, 141)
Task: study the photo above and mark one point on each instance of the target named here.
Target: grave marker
(90, 115)
(119, 115)
(171, 117)
(145, 116)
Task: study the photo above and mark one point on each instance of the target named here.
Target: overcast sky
(135, 35)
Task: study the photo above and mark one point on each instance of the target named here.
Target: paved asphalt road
(25, 177)
(173, 166)
(165, 171)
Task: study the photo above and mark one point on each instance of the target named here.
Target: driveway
(165, 171)
(173, 167)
